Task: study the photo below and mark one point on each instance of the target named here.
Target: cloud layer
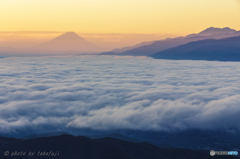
(109, 93)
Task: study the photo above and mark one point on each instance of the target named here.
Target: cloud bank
(109, 93)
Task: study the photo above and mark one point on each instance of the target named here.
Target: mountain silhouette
(130, 47)
(212, 30)
(227, 49)
(45, 135)
(157, 46)
(69, 41)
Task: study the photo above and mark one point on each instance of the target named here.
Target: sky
(29, 39)
(111, 24)
(119, 16)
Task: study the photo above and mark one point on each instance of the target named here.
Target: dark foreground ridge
(71, 147)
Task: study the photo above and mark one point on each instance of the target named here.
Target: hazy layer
(63, 93)
(32, 39)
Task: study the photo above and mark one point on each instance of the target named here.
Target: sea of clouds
(109, 93)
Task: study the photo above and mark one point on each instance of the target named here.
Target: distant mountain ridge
(114, 135)
(157, 46)
(227, 49)
(69, 41)
(50, 134)
(212, 30)
(130, 47)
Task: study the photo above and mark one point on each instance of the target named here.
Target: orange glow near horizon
(125, 16)
(25, 39)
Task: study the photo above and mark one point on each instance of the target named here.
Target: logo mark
(212, 153)
(6, 153)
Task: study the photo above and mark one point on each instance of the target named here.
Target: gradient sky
(119, 16)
